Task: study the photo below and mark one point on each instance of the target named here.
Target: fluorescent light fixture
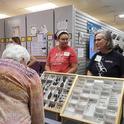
(121, 16)
(41, 7)
(2, 16)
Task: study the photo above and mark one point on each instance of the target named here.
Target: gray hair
(16, 52)
(107, 36)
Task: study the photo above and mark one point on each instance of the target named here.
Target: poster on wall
(80, 52)
(50, 39)
(81, 37)
(91, 28)
(15, 31)
(33, 31)
(39, 47)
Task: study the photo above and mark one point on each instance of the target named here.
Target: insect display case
(56, 87)
(94, 100)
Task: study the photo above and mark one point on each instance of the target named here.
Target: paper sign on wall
(33, 31)
(80, 52)
(15, 31)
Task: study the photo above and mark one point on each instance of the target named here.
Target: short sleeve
(91, 63)
(73, 57)
(122, 65)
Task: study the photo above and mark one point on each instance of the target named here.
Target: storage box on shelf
(94, 100)
(56, 87)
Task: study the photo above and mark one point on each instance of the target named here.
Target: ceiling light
(41, 7)
(121, 16)
(2, 16)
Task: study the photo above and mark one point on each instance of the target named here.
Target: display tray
(95, 100)
(56, 87)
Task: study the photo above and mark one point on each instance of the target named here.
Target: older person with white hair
(21, 98)
(17, 53)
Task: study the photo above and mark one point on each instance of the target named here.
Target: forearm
(72, 69)
(47, 68)
(32, 61)
(37, 116)
(36, 101)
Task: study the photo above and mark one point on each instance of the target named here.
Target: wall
(16, 26)
(2, 43)
(39, 20)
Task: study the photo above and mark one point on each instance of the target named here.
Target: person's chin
(64, 46)
(98, 49)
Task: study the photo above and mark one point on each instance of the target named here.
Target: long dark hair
(16, 40)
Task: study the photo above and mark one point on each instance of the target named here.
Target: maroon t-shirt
(60, 60)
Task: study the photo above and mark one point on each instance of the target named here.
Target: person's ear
(22, 61)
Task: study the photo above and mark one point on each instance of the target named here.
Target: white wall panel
(13, 22)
